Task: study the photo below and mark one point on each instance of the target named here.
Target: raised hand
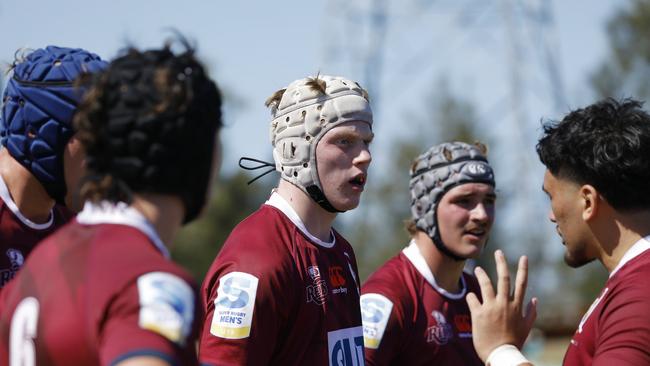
(500, 318)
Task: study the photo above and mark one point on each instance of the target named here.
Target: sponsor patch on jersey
(375, 311)
(166, 305)
(346, 347)
(234, 305)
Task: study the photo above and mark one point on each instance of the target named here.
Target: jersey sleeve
(247, 302)
(157, 315)
(383, 316)
(626, 328)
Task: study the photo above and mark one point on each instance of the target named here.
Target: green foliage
(377, 229)
(625, 72)
(197, 244)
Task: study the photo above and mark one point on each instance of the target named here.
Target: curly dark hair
(606, 145)
(148, 124)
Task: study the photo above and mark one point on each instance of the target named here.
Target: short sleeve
(246, 307)
(383, 317)
(625, 328)
(156, 315)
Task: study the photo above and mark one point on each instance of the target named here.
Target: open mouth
(358, 181)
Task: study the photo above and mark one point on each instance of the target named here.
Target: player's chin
(575, 260)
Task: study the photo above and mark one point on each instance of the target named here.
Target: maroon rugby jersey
(616, 328)
(98, 291)
(19, 235)
(409, 320)
(276, 295)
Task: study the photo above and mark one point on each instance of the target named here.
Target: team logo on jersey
(440, 332)
(375, 311)
(346, 347)
(166, 305)
(463, 325)
(16, 261)
(234, 305)
(317, 290)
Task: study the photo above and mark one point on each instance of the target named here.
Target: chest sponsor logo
(16, 260)
(346, 347)
(591, 309)
(375, 312)
(440, 331)
(337, 280)
(463, 323)
(166, 305)
(317, 289)
(234, 306)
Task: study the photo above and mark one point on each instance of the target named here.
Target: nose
(482, 214)
(364, 157)
(551, 216)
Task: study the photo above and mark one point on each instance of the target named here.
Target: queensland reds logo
(317, 291)
(441, 331)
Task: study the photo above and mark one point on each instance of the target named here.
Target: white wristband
(506, 355)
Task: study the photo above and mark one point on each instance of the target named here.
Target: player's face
(74, 167)
(465, 216)
(566, 213)
(342, 159)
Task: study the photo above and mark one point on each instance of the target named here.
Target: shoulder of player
(390, 281)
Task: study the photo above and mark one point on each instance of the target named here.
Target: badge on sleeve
(234, 305)
(166, 305)
(375, 311)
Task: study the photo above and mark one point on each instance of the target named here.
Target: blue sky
(255, 48)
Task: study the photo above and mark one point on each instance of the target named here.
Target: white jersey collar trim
(6, 197)
(120, 213)
(635, 250)
(412, 252)
(281, 204)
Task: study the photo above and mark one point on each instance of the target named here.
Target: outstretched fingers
(503, 282)
(487, 292)
(521, 280)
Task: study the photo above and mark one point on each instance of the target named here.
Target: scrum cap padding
(154, 124)
(39, 103)
(306, 110)
(438, 170)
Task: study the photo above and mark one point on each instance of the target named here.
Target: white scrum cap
(301, 114)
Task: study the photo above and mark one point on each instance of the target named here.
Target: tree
(376, 229)
(232, 200)
(626, 69)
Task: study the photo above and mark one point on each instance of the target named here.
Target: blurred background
(486, 70)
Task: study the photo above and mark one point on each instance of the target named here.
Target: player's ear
(590, 200)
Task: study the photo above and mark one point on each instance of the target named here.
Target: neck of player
(616, 231)
(445, 270)
(27, 192)
(317, 220)
(164, 212)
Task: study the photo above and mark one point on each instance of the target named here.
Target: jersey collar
(412, 253)
(281, 204)
(120, 213)
(6, 197)
(636, 249)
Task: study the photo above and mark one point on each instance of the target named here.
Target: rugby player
(284, 289)
(40, 159)
(413, 307)
(102, 289)
(597, 172)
